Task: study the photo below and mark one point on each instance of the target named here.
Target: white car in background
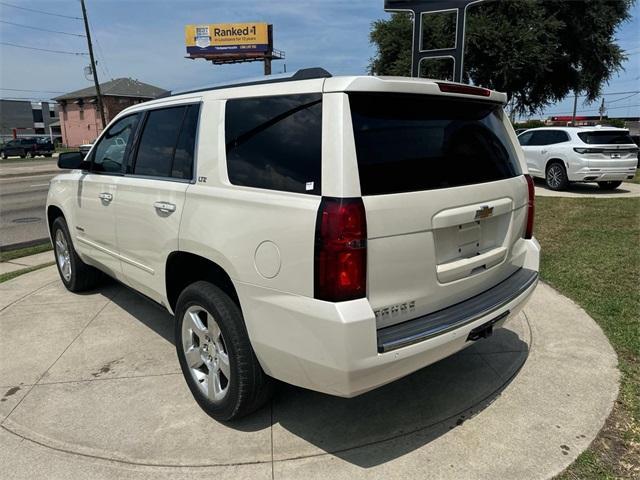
(562, 155)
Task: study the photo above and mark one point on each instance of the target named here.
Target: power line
(32, 91)
(591, 110)
(41, 29)
(613, 93)
(42, 49)
(39, 11)
(624, 98)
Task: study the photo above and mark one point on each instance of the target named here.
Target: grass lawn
(11, 275)
(591, 253)
(24, 252)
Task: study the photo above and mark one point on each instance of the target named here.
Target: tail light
(341, 250)
(588, 150)
(530, 207)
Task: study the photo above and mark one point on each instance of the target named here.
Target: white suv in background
(562, 155)
(336, 233)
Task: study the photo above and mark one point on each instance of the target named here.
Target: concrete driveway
(91, 388)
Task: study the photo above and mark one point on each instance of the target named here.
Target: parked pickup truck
(27, 148)
(334, 233)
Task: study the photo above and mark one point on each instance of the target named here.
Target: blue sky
(144, 39)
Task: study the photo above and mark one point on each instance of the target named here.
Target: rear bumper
(335, 348)
(603, 174)
(456, 316)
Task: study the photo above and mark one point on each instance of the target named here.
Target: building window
(52, 114)
(37, 116)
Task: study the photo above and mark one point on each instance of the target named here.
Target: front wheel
(76, 275)
(215, 354)
(609, 185)
(556, 177)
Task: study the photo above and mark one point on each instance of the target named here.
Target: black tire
(249, 388)
(556, 176)
(609, 185)
(4, 155)
(48, 155)
(82, 276)
(29, 155)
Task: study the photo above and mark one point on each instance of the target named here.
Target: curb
(28, 243)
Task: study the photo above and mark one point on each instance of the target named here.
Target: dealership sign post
(453, 10)
(222, 43)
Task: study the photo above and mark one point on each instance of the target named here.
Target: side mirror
(72, 161)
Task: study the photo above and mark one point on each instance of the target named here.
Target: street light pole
(93, 66)
(575, 107)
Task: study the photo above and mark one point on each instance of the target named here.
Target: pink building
(79, 117)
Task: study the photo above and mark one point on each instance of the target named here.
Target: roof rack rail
(302, 74)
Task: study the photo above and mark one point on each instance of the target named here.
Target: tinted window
(408, 143)
(37, 115)
(110, 151)
(525, 138)
(606, 137)
(548, 137)
(275, 142)
(158, 142)
(183, 159)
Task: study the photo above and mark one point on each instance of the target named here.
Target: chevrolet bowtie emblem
(484, 212)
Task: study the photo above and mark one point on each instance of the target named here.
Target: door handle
(107, 197)
(164, 207)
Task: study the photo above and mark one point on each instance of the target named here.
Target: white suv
(562, 155)
(336, 233)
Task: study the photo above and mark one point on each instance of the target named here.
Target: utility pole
(93, 66)
(602, 110)
(575, 107)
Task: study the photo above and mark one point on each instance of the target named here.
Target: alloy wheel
(554, 176)
(63, 256)
(206, 353)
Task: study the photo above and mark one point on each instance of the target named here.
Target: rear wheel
(76, 275)
(215, 354)
(4, 155)
(609, 185)
(556, 177)
(29, 155)
(47, 154)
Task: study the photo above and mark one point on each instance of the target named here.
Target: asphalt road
(22, 208)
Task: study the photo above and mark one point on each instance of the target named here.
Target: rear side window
(407, 143)
(167, 143)
(604, 137)
(545, 137)
(275, 142)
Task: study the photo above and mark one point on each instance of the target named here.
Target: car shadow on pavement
(380, 425)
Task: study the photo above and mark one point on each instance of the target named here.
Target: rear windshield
(615, 137)
(407, 143)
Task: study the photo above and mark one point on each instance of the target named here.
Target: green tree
(537, 51)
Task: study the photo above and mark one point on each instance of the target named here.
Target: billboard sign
(227, 38)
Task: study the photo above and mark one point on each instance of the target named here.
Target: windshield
(408, 143)
(606, 137)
